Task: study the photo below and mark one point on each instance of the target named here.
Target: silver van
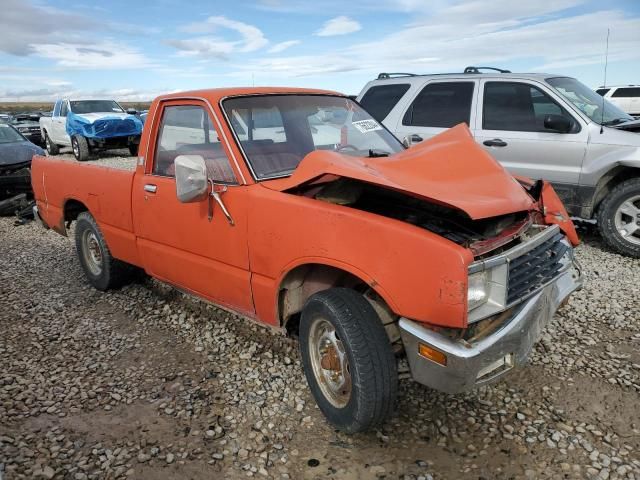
(542, 126)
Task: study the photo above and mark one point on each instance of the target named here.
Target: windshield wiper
(375, 153)
(616, 121)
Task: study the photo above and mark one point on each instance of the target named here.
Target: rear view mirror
(132, 111)
(411, 140)
(191, 178)
(557, 123)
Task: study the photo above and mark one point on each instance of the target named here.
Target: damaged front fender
(555, 213)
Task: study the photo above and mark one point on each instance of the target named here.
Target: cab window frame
(156, 135)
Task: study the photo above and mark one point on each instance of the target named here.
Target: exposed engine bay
(481, 236)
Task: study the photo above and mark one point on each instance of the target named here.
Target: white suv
(627, 97)
(541, 126)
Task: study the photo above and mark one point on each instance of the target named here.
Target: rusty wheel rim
(92, 252)
(329, 363)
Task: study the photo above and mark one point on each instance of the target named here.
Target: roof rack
(477, 69)
(383, 76)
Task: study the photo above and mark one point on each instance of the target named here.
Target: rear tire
(103, 271)
(133, 150)
(348, 360)
(80, 148)
(619, 218)
(52, 148)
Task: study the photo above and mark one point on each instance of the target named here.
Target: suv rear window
(441, 104)
(380, 100)
(626, 92)
(602, 91)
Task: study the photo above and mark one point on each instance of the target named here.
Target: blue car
(16, 153)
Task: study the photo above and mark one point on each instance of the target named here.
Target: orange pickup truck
(297, 209)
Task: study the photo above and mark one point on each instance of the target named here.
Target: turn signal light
(432, 354)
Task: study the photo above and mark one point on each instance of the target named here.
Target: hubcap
(76, 148)
(91, 252)
(627, 220)
(329, 362)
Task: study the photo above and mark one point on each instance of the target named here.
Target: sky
(133, 50)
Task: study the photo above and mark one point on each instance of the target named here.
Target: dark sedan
(16, 153)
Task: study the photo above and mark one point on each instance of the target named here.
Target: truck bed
(63, 187)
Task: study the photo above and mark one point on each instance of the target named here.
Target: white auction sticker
(367, 125)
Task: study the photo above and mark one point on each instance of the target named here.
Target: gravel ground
(145, 383)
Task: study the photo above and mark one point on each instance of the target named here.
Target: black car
(28, 125)
(16, 153)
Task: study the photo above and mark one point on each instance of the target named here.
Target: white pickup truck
(90, 126)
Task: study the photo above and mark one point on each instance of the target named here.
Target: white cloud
(51, 93)
(251, 38)
(544, 35)
(338, 26)
(280, 47)
(98, 56)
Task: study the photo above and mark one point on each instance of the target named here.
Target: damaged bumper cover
(464, 365)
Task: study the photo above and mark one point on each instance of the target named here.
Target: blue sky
(134, 50)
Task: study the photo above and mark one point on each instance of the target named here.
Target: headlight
(478, 291)
(23, 129)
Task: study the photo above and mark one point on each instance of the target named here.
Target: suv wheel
(619, 218)
(348, 360)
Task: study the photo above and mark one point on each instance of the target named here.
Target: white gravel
(120, 159)
(146, 383)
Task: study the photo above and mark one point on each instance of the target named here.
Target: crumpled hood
(18, 152)
(449, 169)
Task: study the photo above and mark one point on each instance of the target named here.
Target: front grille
(535, 268)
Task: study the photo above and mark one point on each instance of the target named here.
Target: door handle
(150, 188)
(496, 142)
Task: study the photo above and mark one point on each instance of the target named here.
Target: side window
(381, 99)
(64, 108)
(188, 130)
(56, 108)
(602, 91)
(441, 104)
(517, 107)
(626, 92)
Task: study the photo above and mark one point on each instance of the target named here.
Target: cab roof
(214, 95)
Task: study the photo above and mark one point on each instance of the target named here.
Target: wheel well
(610, 179)
(73, 208)
(305, 280)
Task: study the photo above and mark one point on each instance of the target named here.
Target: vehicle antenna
(606, 63)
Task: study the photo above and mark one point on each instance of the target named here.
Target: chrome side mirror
(191, 178)
(410, 140)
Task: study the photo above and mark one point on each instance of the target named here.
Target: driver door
(177, 241)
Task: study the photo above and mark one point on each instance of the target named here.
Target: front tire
(619, 218)
(103, 271)
(348, 360)
(133, 150)
(80, 148)
(52, 148)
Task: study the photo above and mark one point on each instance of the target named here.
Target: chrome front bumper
(469, 365)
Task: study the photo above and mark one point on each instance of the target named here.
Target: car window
(64, 108)
(441, 104)
(517, 107)
(188, 130)
(56, 108)
(275, 132)
(381, 99)
(602, 91)
(626, 92)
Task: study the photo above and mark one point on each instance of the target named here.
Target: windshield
(277, 131)
(588, 101)
(95, 106)
(9, 134)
